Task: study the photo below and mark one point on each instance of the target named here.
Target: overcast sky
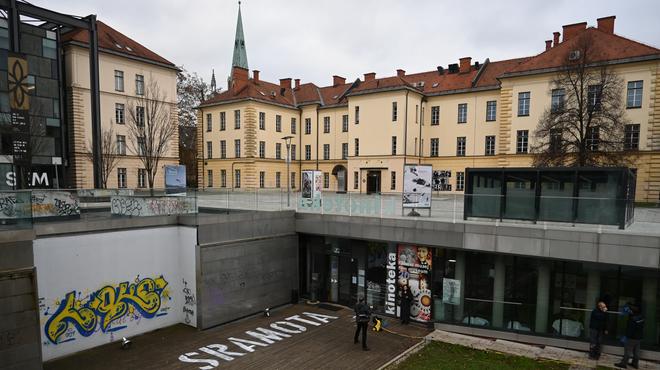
(313, 40)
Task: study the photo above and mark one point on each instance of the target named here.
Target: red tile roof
(258, 90)
(111, 39)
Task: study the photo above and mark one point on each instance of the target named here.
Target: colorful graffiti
(106, 306)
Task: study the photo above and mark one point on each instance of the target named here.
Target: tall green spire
(240, 55)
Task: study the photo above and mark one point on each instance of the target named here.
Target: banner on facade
(312, 184)
(441, 180)
(175, 179)
(417, 186)
(414, 270)
(451, 291)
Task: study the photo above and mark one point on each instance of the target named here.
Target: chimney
(285, 83)
(297, 80)
(441, 70)
(570, 30)
(338, 80)
(556, 39)
(255, 75)
(369, 76)
(400, 72)
(239, 78)
(548, 45)
(606, 24)
(465, 64)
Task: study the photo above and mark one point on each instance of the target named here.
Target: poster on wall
(175, 180)
(451, 291)
(311, 188)
(414, 270)
(306, 186)
(318, 185)
(417, 186)
(441, 180)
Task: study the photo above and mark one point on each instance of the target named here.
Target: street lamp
(287, 140)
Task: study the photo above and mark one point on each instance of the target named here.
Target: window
(308, 126)
(121, 145)
(326, 151)
(522, 139)
(209, 178)
(394, 111)
(139, 116)
(278, 176)
(223, 149)
(631, 137)
(237, 148)
(491, 110)
(357, 115)
(462, 113)
(326, 125)
(209, 150)
(593, 138)
(293, 125)
(121, 177)
(435, 115)
(278, 150)
(139, 85)
(223, 121)
(435, 145)
(262, 121)
(223, 178)
(357, 147)
(393, 145)
(344, 150)
(326, 180)
(555, 140)
(237, 119)
(523, 103)
(344, 123)
(293, 152)
(557, 100)
(490, 145)
(634, 99)
(460, 181)
(416, 113)
(142, 178)
(293, 180)
(119, 80)
(262, 179)
(460, 146)
(237, 178)
(119, 113)
(393, 180)
(594, 95)
(209, 122)
(356, 180)
(308, 152)
(262, 149)
(142, 145)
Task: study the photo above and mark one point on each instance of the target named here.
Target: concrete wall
(247, 262)
(96, 288)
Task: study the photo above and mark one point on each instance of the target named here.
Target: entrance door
(373, 182)
(341, 181)
(347, 281)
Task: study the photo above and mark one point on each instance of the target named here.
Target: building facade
(470, 114)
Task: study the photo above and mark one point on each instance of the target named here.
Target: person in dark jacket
(406, 301)
(634, 334)
(362, 318)
(597, 329)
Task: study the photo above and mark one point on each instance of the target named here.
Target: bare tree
(151, 127)
(110, 154)
(192, 90)
(585, 123)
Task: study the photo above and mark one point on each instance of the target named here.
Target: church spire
(213, 84)
(240, 54)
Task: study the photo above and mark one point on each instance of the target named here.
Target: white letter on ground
(211, 363)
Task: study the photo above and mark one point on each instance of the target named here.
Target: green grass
(439, 355)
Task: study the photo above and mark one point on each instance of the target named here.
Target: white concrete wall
(96, 288)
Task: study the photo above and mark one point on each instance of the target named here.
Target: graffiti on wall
(38, 203)
(151, 206)
(108, 309)
(189, 303)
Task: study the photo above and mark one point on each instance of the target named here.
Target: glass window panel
(556, 203)
(520, 194)
(597, 203)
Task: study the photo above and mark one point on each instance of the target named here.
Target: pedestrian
(634, 333)
(597, 329)
(406, 301)
(362, 317)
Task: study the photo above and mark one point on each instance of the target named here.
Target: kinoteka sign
(259, 337)
(390, 307)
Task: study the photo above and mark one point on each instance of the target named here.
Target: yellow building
(469, 114)
(126, 70)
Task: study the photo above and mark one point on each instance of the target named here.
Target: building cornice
(124, 55)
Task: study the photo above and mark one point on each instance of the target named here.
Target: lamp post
(287, 141)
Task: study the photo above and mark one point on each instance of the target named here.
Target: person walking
(597, 329)
(362, 317)
(634, 333)
(406, 301)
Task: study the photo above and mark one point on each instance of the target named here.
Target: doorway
(341, 285)
(339, 172)
(373, 182)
